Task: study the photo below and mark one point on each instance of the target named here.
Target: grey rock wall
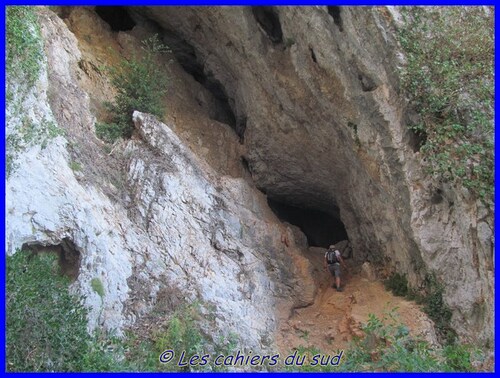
(177, 229)
(326, 128)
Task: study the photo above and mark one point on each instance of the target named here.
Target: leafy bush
(24, 49)
(141, 85)
(184, 333)
(110, 132)
(181, 334)
(431, 296)
(24, 44)
(449, 81)
(458, 357)
(311, 359)
(75, 166)
(388, 346)
(46, 325)
(398, 284)
(437, 310)
(29, 133)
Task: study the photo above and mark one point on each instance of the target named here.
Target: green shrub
(388, 346)
(311, 359)
(182, 333)
(458, 357)
(436, 308)
(24, 45)
(141, 85)
(449, 81)
(75, 166)
(398, 284)
(46, 325)
(431, 297)
(29, 133)
(110, 132)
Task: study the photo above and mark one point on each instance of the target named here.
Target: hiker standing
(333, 259)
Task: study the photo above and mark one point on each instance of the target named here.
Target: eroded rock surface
(178, 227)
(319, 120)
(326, 129)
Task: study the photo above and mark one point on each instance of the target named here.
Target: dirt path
(335, 317)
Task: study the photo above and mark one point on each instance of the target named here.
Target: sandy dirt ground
(334, 318)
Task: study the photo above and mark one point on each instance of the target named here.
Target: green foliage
(110, 132)
(23, 66)
(97, 286)
(431, 297)
(24, 45)
(458, 357)
(354, 128)
(182, 333)
(449, 81)
(437, 310)
(46, 331)
(46, 325)
(388, 346)
(28, 134)
(141, 85)
(75, 166)
(398, 284)
(311, 360)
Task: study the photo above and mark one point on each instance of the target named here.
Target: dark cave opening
(68, 254)
(321, 228)
(334, 11)
(117, 17)
(268, 19)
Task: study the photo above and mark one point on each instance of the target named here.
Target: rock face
(326, 129)
(181, 232)
(312, 95)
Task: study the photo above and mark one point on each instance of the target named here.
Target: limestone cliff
(326, 128)
(180, 232)
(302, 104)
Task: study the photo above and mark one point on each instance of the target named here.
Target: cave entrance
(116, 17)
(67, 252)
(321, 228)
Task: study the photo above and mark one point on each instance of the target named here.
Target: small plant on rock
(141, 85)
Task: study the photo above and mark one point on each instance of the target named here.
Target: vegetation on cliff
(24, 46)
(24, 65)
(449, 81)
(47, 328)
(47, 331)
(141, 85)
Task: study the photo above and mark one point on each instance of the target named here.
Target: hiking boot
(340, 289)
(334, 285)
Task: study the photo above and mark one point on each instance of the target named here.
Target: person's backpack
(331, 257)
